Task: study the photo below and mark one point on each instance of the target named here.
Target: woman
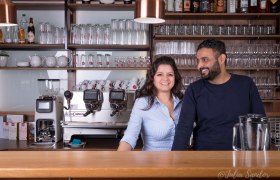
(156, 110)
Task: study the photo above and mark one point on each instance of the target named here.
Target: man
(214, 102)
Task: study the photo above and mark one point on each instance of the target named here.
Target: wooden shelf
(270, 101)
(39, 5)
(27, 113)
(33, 68)
(110, 47)
(221, 16)
(222, 37)
(109, 68)
(32, 47)
(273, 114)
(74, 68)
(233, 69)
(101, 7)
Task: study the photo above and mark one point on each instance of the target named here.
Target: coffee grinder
(48, 115)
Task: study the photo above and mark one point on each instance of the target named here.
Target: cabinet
(252, 41)
(64, 13)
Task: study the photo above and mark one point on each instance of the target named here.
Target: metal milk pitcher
(253, 133)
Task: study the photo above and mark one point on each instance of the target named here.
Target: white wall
(19, 88)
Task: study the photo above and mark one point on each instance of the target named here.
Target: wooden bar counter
(140, 165)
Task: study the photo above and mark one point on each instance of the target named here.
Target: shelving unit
(31, 47)
(109, 47)
(223, 16)
(70, 7)
(272, 105)
(221, 37)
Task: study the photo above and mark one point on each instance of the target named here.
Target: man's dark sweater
(215, 110)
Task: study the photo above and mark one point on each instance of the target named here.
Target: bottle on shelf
(21, 36)
(263, 6)
(31, 32)
(23, 25)
(178, 6)
(170, 6)
(195, 6)
(274, 6)
(85, 1)
(127, 1)
(205, 6)
(253, 6)
(219, 6)
(242, 6)
(231, 6)
(186, 6)
(1, 36)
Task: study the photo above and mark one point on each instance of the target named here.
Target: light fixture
(149, 11)
(8, 15)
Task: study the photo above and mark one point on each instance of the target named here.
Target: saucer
(23, 64)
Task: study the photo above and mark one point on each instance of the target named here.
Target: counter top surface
(138, 164)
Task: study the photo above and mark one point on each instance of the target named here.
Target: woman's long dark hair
(149, 89)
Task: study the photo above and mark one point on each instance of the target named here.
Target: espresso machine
(95, 113)
(48, 117)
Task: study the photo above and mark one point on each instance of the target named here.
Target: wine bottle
(253, 6)
(263, 6)
(85, 1)
(187, 6)
(274, 6)
(31, 32)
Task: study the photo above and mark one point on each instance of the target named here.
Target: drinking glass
(114, 28)
(129, 29)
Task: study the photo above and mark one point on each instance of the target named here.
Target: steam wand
(68, 95)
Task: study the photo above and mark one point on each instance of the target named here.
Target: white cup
(108, 85)
(92, 84)
(118, 84)
(132, 85)
(125, 84)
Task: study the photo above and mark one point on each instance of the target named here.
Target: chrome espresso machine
(96, 113)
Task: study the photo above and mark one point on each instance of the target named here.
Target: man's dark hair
(218, 46)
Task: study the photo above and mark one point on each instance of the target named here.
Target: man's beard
(213, 72)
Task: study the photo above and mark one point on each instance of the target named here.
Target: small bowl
(107, 1)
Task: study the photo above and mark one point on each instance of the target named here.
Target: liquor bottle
(205, 6)
(31, 32)
(186, 6)
(242, 6)
(170, 6)
(21, 36)
(253, 6)
(23, 25)
(274, 6)
(195, 6)
(212, 5)
(178, 6)
(85, 1)
(219, 6)
(1, 36)
(263, 6)
(127, 1)
(231, 6)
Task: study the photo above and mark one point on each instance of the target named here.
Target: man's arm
(186, 121)
(256, 102)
